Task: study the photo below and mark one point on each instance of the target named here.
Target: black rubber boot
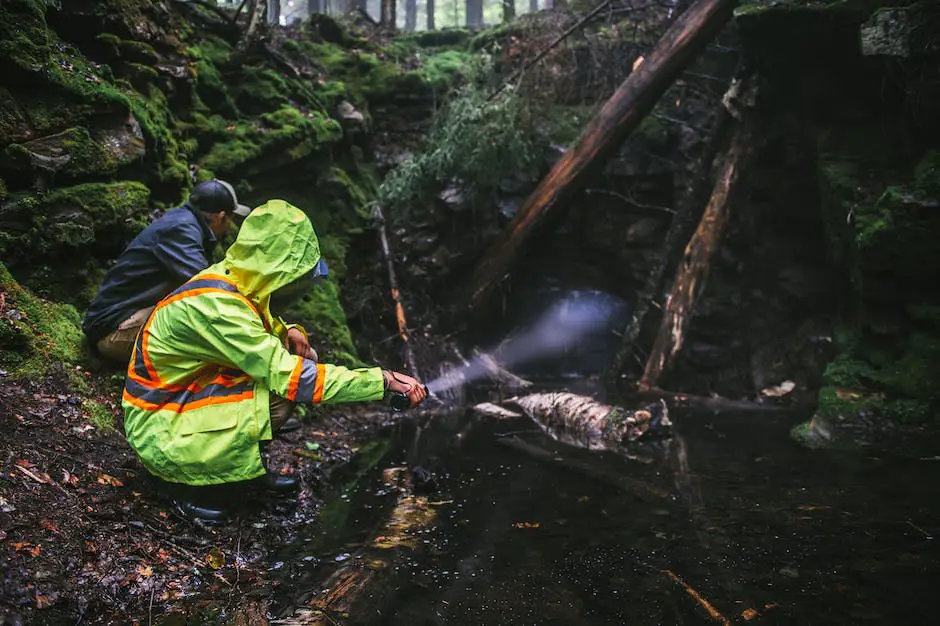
(291, 424)
(204, 513)
(278, 483)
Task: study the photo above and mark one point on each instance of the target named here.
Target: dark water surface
(760, 528)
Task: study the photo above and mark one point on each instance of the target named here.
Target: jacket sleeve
(224, 329)
(181, 251)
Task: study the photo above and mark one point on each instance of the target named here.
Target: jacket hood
(276, 245)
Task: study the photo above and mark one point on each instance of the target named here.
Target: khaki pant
(119, 345)
(281, 410)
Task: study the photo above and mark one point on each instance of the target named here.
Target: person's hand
(396, 381)
(297, 344)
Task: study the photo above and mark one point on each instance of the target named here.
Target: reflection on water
(730, 516)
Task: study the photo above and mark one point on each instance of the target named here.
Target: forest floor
(85, 538)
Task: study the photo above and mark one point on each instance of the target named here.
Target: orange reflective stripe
(295, 379)
(318, 388)
(156, 382)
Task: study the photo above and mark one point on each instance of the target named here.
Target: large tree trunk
(274, 11)
(533, 6)
(411, 14)
(509, 9)
(387, 18)
(256, 10)
(604, 134)
(474, 13)
(693, 271)
(430, 9)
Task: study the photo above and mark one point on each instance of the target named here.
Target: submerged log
(690, 278)
(587, 423)
(620, 115)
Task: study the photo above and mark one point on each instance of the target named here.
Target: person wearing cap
(162, 257)
(211, 369)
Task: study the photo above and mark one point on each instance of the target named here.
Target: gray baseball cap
(240, 209)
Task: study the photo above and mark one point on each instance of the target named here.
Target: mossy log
(606, 131)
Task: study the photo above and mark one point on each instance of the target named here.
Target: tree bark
(680, 230)
(474, 13)
(693, 271)
(387, 18)
(411, 14)
(256, 10)
(509, 9)
(604, 134)
(430, 9)
(274, 11)
(533, 6)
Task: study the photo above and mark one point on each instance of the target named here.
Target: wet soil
(86, 538)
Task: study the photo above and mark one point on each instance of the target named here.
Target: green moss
(322, 315)
(98, 414)
(927, 174)
(441, 70)
(85, 156)
(35, 333)
(11, 119)
(292, 133)
(3, 189)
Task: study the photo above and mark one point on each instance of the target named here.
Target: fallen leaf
(69, 479)
(43, 601)
(38, 479)
(215, 559)
(3, 534)
(90, 547)
(145, 570)
(106, 479)
(638, 62)
(526, 524)
(748, 614)
(22, 463)
(846, 394)
(25, 546)
(50, 526)
(312, 446)
(307, 454)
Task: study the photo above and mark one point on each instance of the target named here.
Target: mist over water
(563, 327)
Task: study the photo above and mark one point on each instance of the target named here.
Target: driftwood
(400, 318)
(620, 115)
(586, 423)
(693, 271)
(354, 588)
(716, 404)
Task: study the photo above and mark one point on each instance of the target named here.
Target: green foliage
(475, 140)
(35, 333)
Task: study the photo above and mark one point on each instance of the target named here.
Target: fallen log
(693, 270)
(606, 131)
(586, 423)
(680, 230)
(716, 404)
(354, 590)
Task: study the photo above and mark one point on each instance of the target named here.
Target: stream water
(729, 510)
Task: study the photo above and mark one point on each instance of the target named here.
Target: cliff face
(110, 111)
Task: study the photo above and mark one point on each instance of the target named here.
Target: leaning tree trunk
(430, 9)
(474, 13)
(509, 9)
(387, 18)
(693, 270)
(604, 134)
(533, 6)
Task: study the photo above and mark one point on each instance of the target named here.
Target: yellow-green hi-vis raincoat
(198, 383)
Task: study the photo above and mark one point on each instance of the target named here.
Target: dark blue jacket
(161, 258)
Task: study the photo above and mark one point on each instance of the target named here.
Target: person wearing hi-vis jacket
(214, 371)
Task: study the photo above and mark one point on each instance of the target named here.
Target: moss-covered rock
(321, 313)
(35, 333)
